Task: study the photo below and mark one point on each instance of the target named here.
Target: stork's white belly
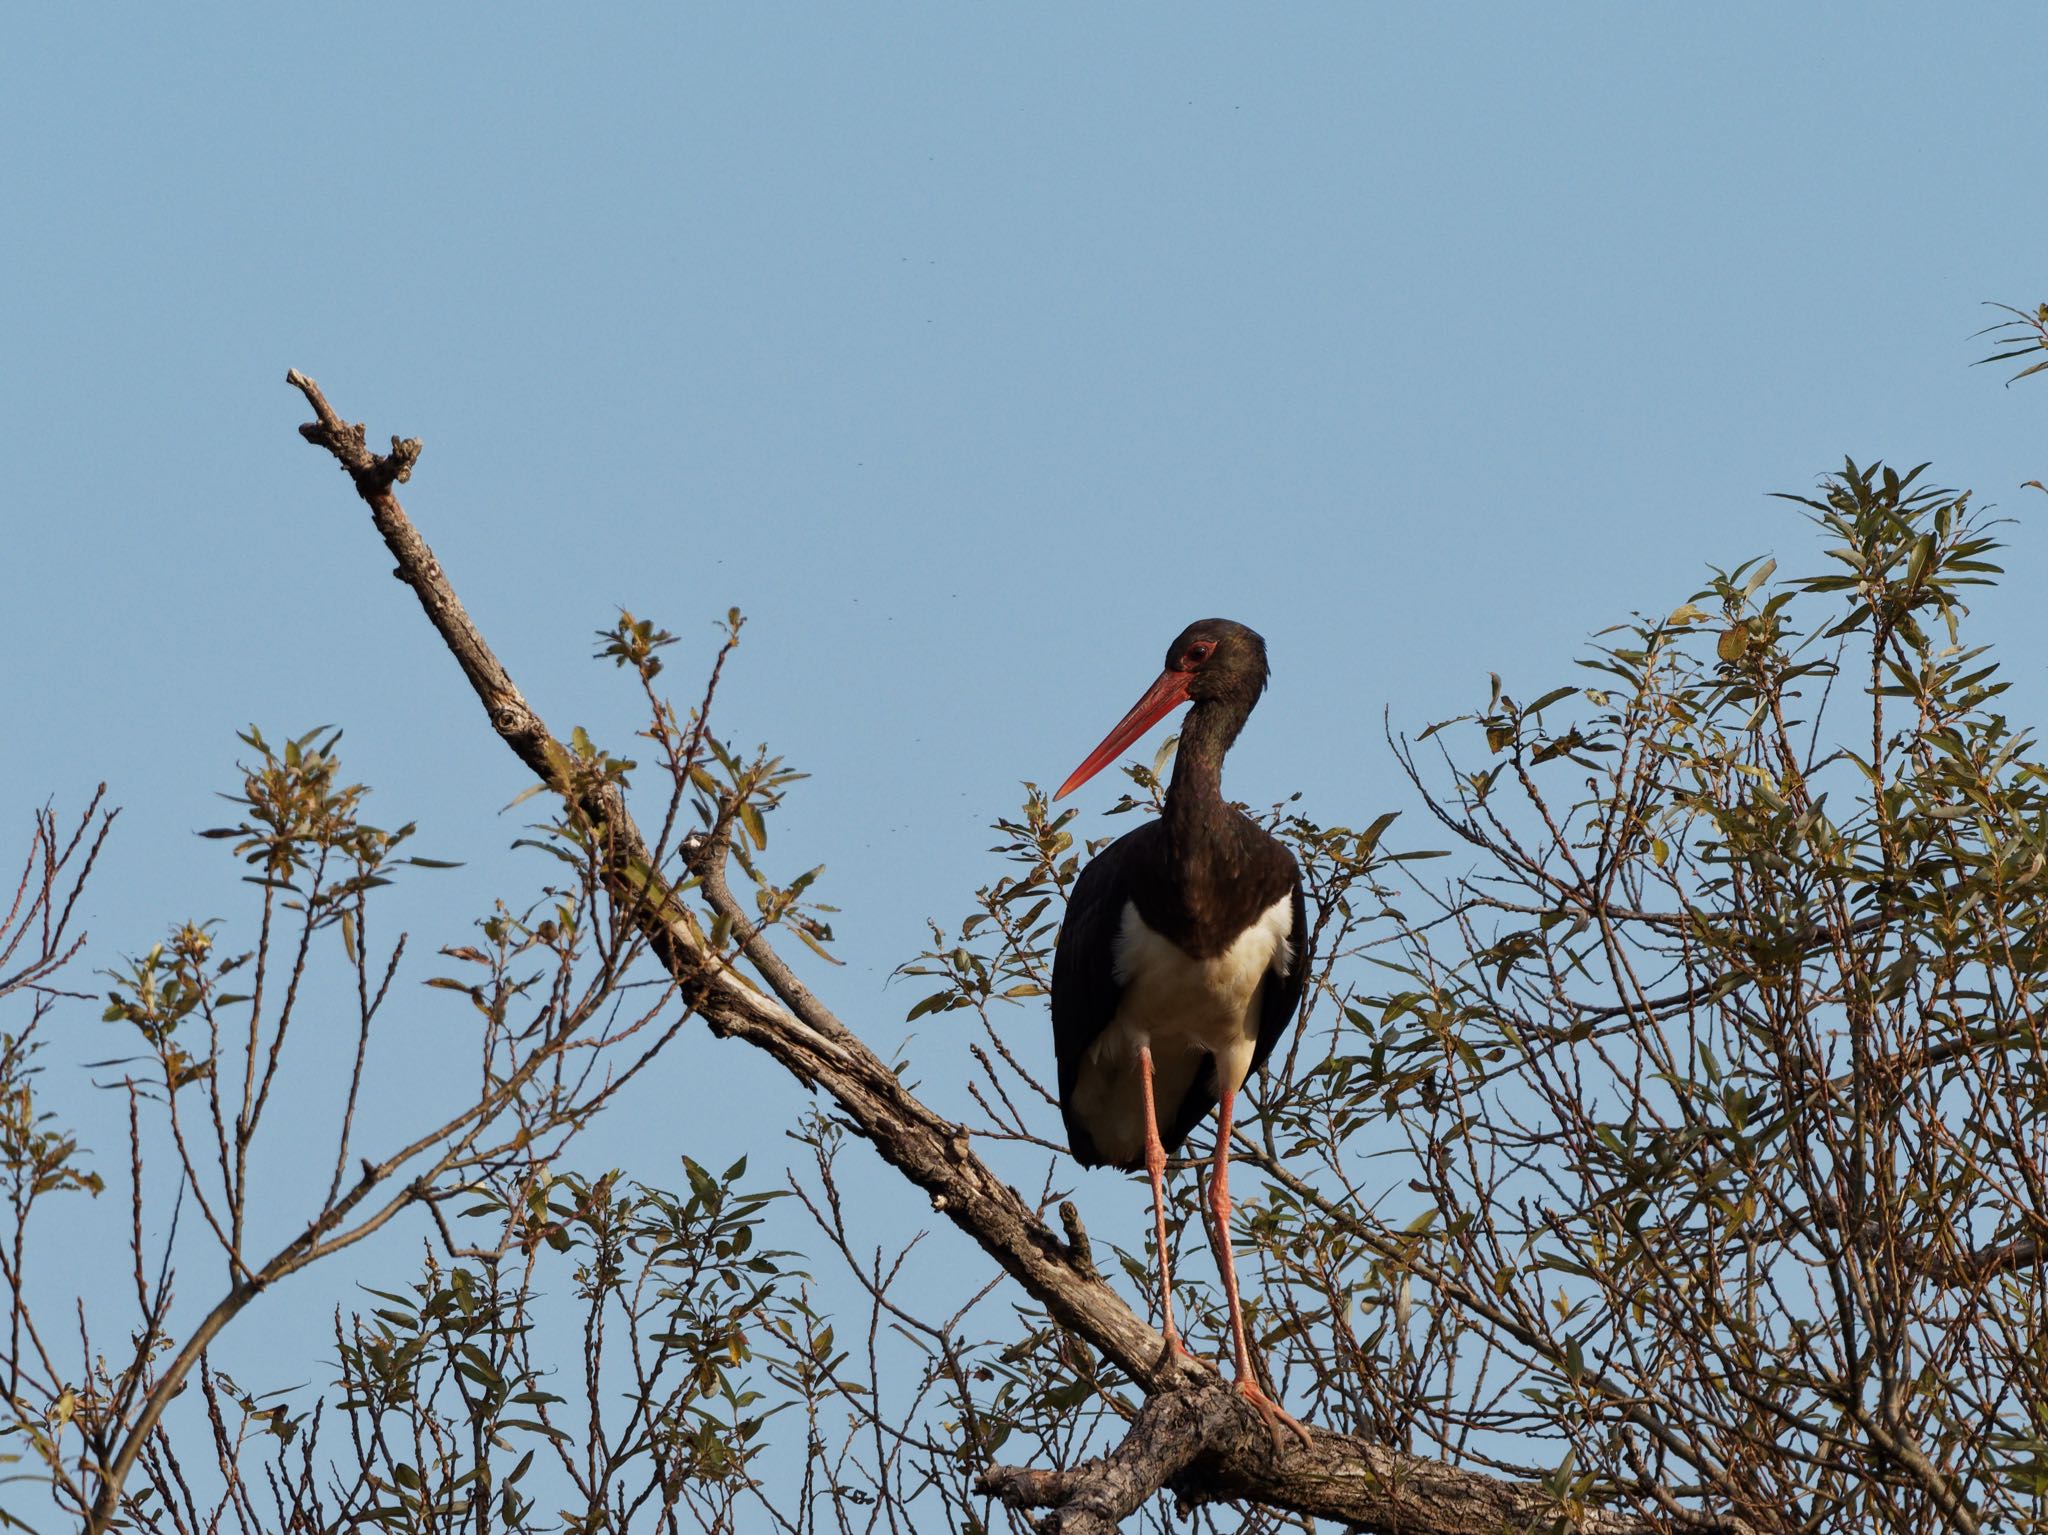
(1185, 1009)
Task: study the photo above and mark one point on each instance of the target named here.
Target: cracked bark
(1194, 1436)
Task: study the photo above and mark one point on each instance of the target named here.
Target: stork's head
(1219, 659)
(1211, 659)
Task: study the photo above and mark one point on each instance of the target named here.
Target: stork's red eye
(1199, 652)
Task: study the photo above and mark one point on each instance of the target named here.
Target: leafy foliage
(456, 1421)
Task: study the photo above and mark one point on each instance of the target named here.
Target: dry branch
(1195, 1436)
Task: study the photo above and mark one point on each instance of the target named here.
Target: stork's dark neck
(1214, 871)
(1196, 790)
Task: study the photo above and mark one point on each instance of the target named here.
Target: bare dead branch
(1337, 1476)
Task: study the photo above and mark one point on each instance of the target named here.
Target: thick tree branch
(1195, 1443)
(1233, 1456)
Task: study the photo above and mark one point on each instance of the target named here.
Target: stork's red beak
(1165, 695)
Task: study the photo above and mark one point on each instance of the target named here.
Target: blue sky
(971, 351)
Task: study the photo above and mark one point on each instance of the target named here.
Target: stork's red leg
(1155, 1164)
(1248, 1385)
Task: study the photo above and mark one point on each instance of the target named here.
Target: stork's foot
(1276, 1416)
(1172, 1346)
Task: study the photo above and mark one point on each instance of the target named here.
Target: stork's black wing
(1085, 990)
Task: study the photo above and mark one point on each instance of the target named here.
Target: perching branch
(1193, 1443)
(1194, 1436)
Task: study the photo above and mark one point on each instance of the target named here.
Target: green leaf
(702, 1184)
(930, 1004)
(1916, 565)
(750, 817)
(1370, 837)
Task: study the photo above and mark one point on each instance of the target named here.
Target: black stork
(1182, 958)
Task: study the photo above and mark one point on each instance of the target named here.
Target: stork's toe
(1276, 1416)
